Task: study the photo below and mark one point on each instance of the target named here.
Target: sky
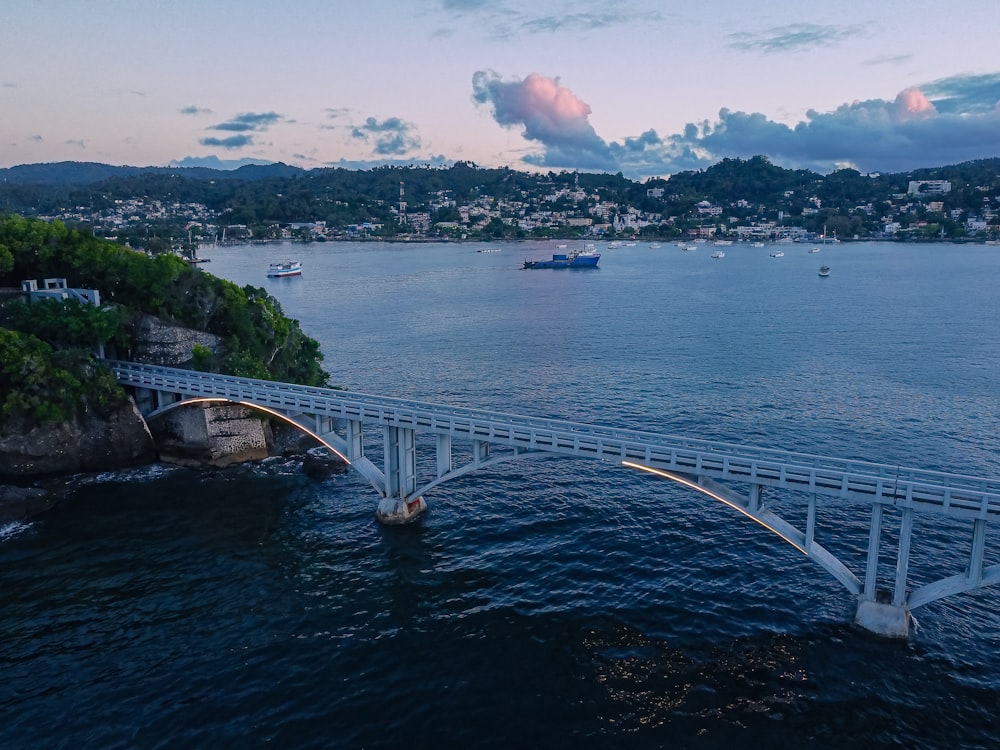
(647, 88)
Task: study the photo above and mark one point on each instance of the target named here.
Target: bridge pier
(400, 503)
(883, 617)
(395, 512)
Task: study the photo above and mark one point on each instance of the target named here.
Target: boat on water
(489, 250)
(777, 254)
(718, 254)
(285, 268)
(756, 244)
(654, 246)
(586, 258)
(814, 250)
(824, 270)
(723, 243)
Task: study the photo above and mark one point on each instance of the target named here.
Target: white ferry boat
(285, 268)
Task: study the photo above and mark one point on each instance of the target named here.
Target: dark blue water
(547, 603)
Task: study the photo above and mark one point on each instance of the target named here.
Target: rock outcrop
(160, 343)
(115, 441)
(93, 443)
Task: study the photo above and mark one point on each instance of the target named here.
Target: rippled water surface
(553, 602)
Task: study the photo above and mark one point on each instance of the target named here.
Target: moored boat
(777, 254)
(586, 258)
(285, 268)
(718, 254)
(824, 270)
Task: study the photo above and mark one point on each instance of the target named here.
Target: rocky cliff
(207, 435)
(90, 443)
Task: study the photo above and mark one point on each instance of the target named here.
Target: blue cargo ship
(586, 258)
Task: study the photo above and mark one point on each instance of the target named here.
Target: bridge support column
(399, 506)
(883, 612)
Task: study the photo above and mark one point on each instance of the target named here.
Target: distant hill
(76, 173)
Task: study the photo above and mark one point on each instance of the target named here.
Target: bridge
(735, 475)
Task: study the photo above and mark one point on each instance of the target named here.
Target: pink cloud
(549, 114)
(545, 97)
(911, 104)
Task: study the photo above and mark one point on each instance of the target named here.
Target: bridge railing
(952, 494)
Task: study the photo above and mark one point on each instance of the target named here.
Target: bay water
(544, 603)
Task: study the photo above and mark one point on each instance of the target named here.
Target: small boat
(718, 254)
(586, 258)
(756, 244)
(723, 243)
(777, 254)
(614, 245)
(489, 250)
(654, 246)
(814, 250)
(285, 268)
(824, 270)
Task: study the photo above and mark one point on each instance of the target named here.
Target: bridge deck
(925, 491)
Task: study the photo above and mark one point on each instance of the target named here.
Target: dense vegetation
(46, 347)
(264, 196)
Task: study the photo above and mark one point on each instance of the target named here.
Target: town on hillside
(177, 209)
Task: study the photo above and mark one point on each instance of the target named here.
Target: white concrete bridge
(732, 474)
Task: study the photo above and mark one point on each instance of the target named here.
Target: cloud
(392, 136)
(910, 131)
(36, 138)
(214, 162)
(969, 94)
(193, 110)
(230, 143)
(550, 115)
(503, 20)
(249, 122)
(574, 22)
(76, 142)
(792, 38)
(887, 60)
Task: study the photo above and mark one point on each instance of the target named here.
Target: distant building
(56, 289)
(928, 187)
